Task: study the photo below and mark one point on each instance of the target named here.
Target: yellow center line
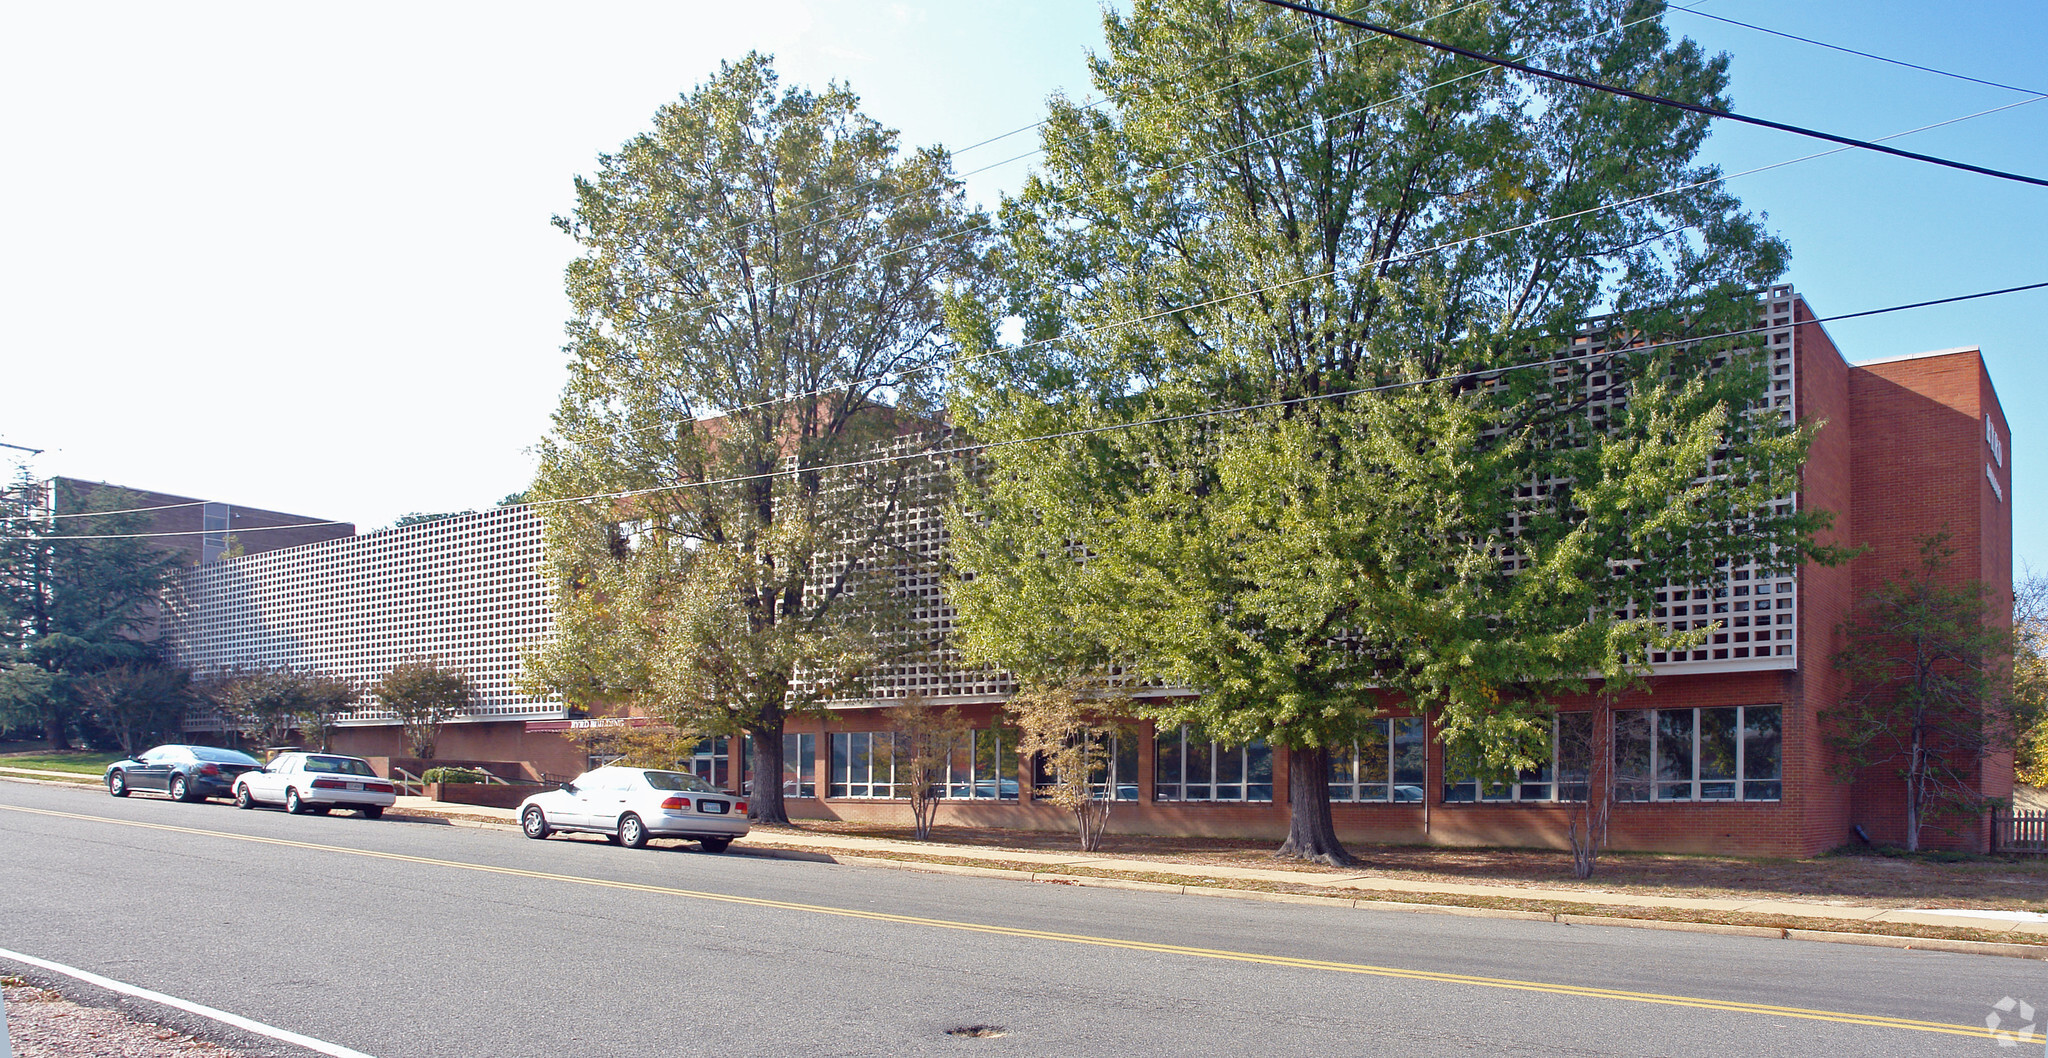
(1583, 991)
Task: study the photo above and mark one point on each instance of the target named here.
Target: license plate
(713, 807)
(355, 786)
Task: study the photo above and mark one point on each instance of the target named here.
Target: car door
(611, 803)
(268, 785)
(155, 772)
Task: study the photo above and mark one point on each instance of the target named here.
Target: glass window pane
(1717, 745)
(1574, 755)
(1410, 758)
(842, 764)
(1632, 755)
(1258, 764)
(1762, 748)
(1166, 767)
(1674, 754)
(1229, 763)
(1124, 768)
(1375, 757)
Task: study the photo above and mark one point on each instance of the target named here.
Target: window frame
(1653, 786)
(1215, 757)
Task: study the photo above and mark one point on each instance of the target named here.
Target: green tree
(1932, 693)
(758, 300)
(264, 706)
(76, 597)
(2030, 677)
(425, 697)
(140, 703)
(1070, 728)
(925, 740)
(1277, 214)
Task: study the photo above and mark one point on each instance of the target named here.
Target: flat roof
(1919, 356)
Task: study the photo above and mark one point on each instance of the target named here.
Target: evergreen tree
(76, 597)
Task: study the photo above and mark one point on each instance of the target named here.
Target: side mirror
(568, 787)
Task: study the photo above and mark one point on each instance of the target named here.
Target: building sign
(1991, 438)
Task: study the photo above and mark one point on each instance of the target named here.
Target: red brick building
(1721, 751)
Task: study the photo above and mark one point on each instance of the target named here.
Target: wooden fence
(2017, 831)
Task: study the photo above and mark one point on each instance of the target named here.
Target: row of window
(1728, 753)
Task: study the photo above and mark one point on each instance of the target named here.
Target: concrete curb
(1875, 940)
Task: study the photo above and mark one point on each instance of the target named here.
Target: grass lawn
(80, 763)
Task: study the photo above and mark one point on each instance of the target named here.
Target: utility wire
(1086, 105)
(1864, 54)
(1452, 244)
(1205, 413)
(1266, 405)
(1306, 126)
(1695, 108)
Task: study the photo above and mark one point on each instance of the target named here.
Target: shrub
(453, 775)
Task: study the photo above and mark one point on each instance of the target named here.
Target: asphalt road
(400, 938)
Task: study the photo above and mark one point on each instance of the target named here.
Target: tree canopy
(758, 302)
(76, 597)
(1315, 296)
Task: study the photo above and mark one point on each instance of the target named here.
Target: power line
(1452, 244)
(1864, 54)
(194, 532)
(1266, 405)
(1305, 126)
(1695, 108)
(1086, 105)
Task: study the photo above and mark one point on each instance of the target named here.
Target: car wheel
(632, 832)
(534, 823)
(715, 844)
(242, 798)
(117, 784)
(292, 803)
(373, 811)
(181, 788)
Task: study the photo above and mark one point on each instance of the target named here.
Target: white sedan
(631, 805)
(314, 783)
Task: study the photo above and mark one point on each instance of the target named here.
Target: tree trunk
(1311, 834)
(53, 731)
(764, 802)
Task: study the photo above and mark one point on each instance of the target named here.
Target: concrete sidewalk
(1054, 866)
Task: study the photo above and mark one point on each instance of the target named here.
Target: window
(712, 762)
(1389, 762)
(864, 764)
(799, 765)
(983, 766)
(1729, 753)
(1561, 776)
(1119, 781)
(1194, 767)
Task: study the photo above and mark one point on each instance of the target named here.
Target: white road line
(189, 1007)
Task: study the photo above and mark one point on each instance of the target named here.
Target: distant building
(201, 530)
(1722, 752)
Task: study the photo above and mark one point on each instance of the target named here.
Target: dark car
(187, 773)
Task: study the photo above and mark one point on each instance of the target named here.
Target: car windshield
(678, 780)
(222, 756)
(338, 766)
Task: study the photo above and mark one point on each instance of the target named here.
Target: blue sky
(300, 257)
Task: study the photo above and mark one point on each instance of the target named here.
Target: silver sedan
(631, 805)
